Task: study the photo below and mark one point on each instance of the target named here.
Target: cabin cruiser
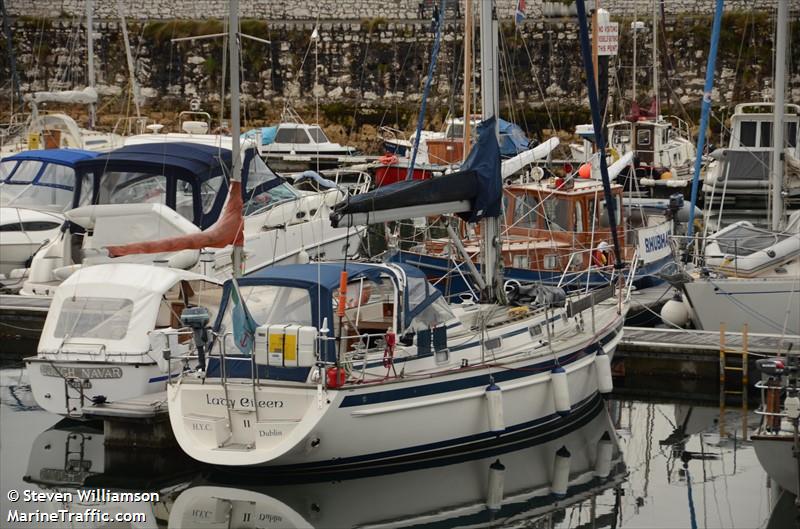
(164, 188)
(738, 181)
(55, 130)
(520, 485)
(106, 330)
(36, 187)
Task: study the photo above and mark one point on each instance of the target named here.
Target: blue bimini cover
(66, 157)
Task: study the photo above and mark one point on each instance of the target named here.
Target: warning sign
(608, 38)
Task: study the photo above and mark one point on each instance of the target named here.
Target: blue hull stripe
(469, 382)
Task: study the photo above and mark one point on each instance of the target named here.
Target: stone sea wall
(278, 10)
(370, 71)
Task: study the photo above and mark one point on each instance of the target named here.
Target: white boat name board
(654, 242)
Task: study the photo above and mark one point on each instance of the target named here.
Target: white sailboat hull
(378, 425)
(766, 305)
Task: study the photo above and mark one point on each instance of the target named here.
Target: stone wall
(372, 71)
(279, 10)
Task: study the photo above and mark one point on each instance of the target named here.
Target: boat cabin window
(292, 135)
(318, 135)
(791, 134)
(621, 135)
(642, 137)
(117, 187)
(578, 207)
(369, 307)
(94, 317)
(747, 134)
(209, 190)
(263, 189)
(52, 190)
(26, 172)
(525, 211)
(766, 134)
(556, 214)
(617, 212)
(6, 168)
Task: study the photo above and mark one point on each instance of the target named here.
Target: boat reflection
(71, 458)
(537, 484)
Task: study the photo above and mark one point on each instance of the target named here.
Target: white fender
(558, 379)
(602, 364)
(494, 496)
(494, 400)
(561, 465)
(605, 452)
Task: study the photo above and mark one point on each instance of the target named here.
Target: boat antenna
(705, 111)
(611, 206)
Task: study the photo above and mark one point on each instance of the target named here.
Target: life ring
(388, 159)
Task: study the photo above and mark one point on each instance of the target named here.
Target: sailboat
(347, 366)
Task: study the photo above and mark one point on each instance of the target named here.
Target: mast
(12, 60)
(655, 58)
(236, 125)
(777, 120)
(490, 81)
(635, 31)
(90, 58)
(129, 56)
(706, 109)
(467, 75)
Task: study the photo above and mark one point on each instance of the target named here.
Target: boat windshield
(265, 189)
(94, 317)
(318, 135)
(267, 305)
(31, 187)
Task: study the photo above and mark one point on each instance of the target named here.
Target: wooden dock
(699, 345)
(140, 422)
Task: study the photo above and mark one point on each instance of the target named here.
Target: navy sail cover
(478, 182)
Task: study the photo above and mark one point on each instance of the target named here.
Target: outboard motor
(675, 205)
(197, 318)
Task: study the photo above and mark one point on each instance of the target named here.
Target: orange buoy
(585, 170)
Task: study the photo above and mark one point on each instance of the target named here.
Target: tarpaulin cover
(478, 182)
(512, 139)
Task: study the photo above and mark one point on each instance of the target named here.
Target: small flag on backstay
(244, 327)
(520, 13)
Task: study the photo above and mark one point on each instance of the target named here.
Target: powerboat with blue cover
(36, 187)
(148, 191)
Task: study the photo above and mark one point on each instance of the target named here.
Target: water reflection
(670, 465)
(539, 485)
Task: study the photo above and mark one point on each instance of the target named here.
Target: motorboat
(525, 484)
(36, 187)
(105, 333)
(737, 183)
(165, 188)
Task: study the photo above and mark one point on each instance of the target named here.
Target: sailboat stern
(241, 423)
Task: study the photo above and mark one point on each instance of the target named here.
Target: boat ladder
(725, 354)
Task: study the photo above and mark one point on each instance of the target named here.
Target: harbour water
(661, 464)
